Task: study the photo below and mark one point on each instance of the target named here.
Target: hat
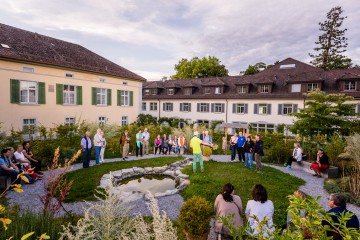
(196, 133)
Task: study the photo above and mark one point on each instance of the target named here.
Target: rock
(139, 170)
(184, 176)
(116, 174)
(178, 172)
(168, 172)
(186, 182)
(148, 170)
(159, 194)
(171, 192)
(127, 172)
(177, 180)
(159, 169)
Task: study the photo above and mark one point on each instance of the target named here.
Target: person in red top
(321, 164)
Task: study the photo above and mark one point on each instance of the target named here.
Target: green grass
(87, 180)
(209, 184)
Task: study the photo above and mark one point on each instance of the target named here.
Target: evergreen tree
(332, 43)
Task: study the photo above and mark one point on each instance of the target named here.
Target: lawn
(87, 180)
(209, 184)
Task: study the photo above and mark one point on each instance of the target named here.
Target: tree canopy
(257, 67)
(326, 114)
(332, 43)
(199, 68)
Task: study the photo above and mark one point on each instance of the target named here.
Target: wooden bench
(331, 172)
(5, 182)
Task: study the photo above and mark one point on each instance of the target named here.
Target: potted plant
(194, 218)
(206, 153)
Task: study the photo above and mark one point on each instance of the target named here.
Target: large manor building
(263, 100)
(47, 81)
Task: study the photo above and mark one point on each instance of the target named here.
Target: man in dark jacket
(258, 151)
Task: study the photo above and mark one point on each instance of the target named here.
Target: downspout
(159, 108)
(226, 113)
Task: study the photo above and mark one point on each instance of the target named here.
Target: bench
(5, 182)
(331, 172)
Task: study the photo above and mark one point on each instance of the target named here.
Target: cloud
(151, 36)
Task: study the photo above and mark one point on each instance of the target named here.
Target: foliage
(207, 151)
(333, 149)
(332, 42)
(215, 123)
(257, 67)
(173, 122)
(199, 68)
(276, 148)
(209, 184)
(145, 119)
(195, 216)
(326, 114)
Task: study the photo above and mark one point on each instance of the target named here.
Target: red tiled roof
(40, 49)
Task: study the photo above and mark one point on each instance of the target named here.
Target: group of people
(260, 210)
(21, 161)
(99, 144)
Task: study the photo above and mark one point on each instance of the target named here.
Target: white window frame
(311, 87)
(28, 124)
(286, 107)
(168, 107)
(147, 92)
(264, 88)
(124, 120)
(125, 96)
(207, 90)
(102, 120)
(263, 107)
(154, 91)
(143, 106)
(170, 91)
(204, 107)
(153, 106)
(242, 89)
(218, 90)
(350, 85)
(28, 69)
(263, 127)
(101, 92)
(27, 89)
(69, 120)
(218, 107)
(186, 107)
(240, 108)
(67, 94)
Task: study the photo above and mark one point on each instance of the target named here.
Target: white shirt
(297, 154)
(97, 140)
(260, 210)
(19, 155)
(146, 136)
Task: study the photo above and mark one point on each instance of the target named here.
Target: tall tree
(326, 114)
(332, 43)
(258, 67)
(199, 68)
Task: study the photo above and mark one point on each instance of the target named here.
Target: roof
(39, 49)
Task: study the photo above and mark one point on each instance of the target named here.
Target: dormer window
(147, 92)
(242, 89)
(218, 90)
(264, 88)
(170, 91)
(153, 91)
(312, 86)
(207, 90)
(187, 91)
(350, 85)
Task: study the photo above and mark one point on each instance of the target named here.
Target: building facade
(263, 100)
(46, 81)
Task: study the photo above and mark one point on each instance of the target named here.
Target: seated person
(337, 203)
(175, 146)
(25, 163)
(30, 156)
(226, 204)
(258, 209)
(321, 164)
(157, 144)
(296, 155)
(182, 143)
(298, 194)
(7, 168)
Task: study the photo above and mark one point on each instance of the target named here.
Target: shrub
(195, 216)
(207, 151)
(276, 149)
(333, 149)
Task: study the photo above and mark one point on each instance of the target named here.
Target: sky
(149, 37)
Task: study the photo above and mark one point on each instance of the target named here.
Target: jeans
(233, 152)
(241, 153)
(169, 149)
(86, 158)
(139, 148)
(97, 154)
(249, 160)
(13, 174)
(198, 158)
(157, 147)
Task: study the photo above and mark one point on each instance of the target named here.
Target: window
(263, 127)
(124, 120)
(168, 107)
(204, 122)
(143, 106)
(295, 87)
(170, 91)
(101, 96)
(242, 89)
(203, 107)
(264, 88)
(28, 92)
(287, 108)
(153, 106)
(69, 94)
(187, 91)
(185, 107)
(28, 69)
(218, 108)
(312, 87)
(70, 120)
(102, 120)
(69, 75)
(287, 66)
(153, 91)
(207, 90)
(218, 90)
(262, 109)
(125, 98)
(147, 92)
(240, 108)
(350, 86)
(29, 126)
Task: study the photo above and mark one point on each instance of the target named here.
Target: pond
(153, 184)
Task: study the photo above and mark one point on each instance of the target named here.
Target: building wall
(51, 113)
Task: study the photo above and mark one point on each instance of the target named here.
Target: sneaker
(289, 167)
(123, 159)
(315, 175)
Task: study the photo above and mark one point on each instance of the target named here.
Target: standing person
(227, 203)
(86, 149)
(182, 143)
(97, 146)
(125, 142)
(164, 144)
(195, 143)
(157, 144)
(240, 147)
(258, 151)
(170, 143)
(233, 145)
(146, 136)
(30, 156)
(103, 145)
(321, 164)
(296, 156)
(258, 209)
(139, 143)
(249, 149)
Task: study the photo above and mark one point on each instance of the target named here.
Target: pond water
(153, 184)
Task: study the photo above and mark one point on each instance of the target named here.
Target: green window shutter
(59, 94)
(93, 96)
(41, 93)
(121, 99)
(79, 95)
(118, 97)
(109, 97)
(14, 91)
(131, 98)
